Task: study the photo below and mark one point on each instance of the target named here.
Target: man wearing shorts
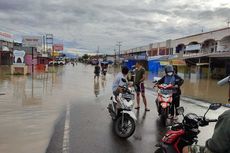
(139, 85)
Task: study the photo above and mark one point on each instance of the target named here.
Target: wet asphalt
(34, 115)
(91, 127)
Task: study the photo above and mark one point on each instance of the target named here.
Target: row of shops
(32, 52)
(202, 55)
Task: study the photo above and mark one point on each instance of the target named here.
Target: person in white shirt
(118, 83)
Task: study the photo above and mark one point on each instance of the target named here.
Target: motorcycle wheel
(164, 116)
(128, 127)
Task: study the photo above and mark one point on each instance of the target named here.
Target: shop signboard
(19, 56)
(58, 47)
(6, 36)
(178, 62)
(193, 47)
(32, 41)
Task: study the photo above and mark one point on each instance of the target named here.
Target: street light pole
(32, 60)
(119, 49)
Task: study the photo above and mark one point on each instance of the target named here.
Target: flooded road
(32, 114)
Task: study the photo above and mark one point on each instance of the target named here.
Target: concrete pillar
(219, 47)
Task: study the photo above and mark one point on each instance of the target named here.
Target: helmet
(191, 121)
(125, 70)
(169, 68)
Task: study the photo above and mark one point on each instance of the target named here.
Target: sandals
(146, 109)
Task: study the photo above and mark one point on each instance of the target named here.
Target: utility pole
(119, 49)
(115, 61)
(228, 22)
(98, 48)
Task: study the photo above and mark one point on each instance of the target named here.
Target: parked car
(60, 62)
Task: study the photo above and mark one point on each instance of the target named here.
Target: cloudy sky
(86, 24)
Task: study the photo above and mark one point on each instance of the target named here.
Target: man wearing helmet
(172, 78)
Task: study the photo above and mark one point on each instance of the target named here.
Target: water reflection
(28, 109)
(103, 83)
(96, 87)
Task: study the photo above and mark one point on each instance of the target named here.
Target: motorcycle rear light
(164, 105)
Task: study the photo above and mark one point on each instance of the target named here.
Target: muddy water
(31, 105)
(27, 114)
(202, 89)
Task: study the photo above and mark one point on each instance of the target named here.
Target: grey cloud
(87, 23)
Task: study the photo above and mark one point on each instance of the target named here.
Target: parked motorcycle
(184, 133)
(164, 101)
(124, 118)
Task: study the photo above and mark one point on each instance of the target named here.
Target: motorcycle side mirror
(215, 106)
(180, 110)
(155, 79)
(123, 80)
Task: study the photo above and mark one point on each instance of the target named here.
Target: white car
(61, 62)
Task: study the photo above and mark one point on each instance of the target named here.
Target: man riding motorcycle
(176, 81)
(220, 141)
(118, 83)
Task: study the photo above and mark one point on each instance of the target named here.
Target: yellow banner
(55, 53)
(178, 62)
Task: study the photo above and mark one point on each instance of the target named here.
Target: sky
(86, 25)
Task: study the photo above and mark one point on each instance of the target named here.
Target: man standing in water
(139, 85)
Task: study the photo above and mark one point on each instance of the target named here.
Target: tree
(85, 56)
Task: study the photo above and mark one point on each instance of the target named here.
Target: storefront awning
(163, 63)
(178, 62)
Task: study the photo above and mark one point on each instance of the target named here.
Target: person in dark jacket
(172, 78)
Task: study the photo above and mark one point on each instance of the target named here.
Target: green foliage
(85, 56)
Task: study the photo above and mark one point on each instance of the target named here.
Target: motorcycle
(123, 117)
(185, 133)
(104, 66)
(164, 101)
(104, 71)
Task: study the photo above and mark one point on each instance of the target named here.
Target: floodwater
(29, 108)
(202, 89)
(31, 105)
